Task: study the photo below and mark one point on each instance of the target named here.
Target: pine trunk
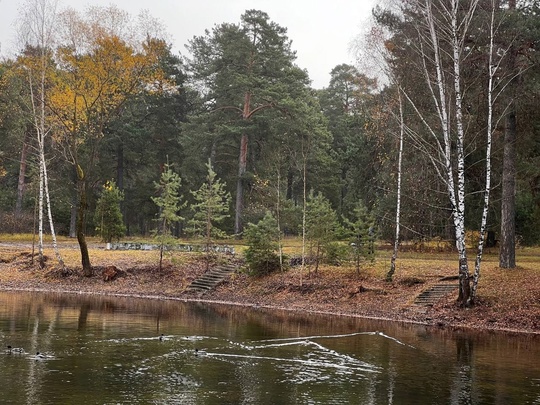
(21, 186)
(242, 165)
(507, 254)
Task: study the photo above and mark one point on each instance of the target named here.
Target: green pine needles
(211, 208)
(169, 201)
(321, 225)
(362, 232)
(108, 217)
(262, 240)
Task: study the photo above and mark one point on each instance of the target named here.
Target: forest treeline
(101, 99)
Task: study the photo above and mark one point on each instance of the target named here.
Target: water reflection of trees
(451, 365)
(462, 387)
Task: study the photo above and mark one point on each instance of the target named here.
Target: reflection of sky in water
(300, 359)
(175, 369)
(295, 355)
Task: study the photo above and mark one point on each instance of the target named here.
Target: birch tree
(101, 66)
(442, 32)
(393, 259)
(493, 67)
(37, 30)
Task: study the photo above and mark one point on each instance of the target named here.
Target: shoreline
(508, 301)
(272, 308)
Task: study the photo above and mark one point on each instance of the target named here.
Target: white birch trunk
(37, 28)
(464, 277)
(49, 214)
(442, 29)
(392, 270)
(448, 23)
(492, 70)
(457, 200)
(41, 259)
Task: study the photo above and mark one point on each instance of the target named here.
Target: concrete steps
(432, 295)
(212, 278)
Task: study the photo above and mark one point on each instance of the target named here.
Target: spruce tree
(169, 203)
(362, 234)
(262, 240)
(210, 209)
(321, 224)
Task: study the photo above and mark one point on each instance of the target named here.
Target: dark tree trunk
(83, 317)
(290, 178)
(74, 207)
(81, 225)
(120, 180)
(120, 166)
(21, 186)
(342, 191)
(73, 219)
(507, 254)
(242, 164)
(464, 283)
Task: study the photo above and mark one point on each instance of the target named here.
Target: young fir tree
(108, 217)
(321, 224)
(210, 209)
(362, 235)
(262, 240)
(169, 203)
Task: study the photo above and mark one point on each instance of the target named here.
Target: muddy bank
(330, 291)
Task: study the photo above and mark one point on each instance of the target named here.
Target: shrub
(337, 253)
(108, 217)
(261, 239)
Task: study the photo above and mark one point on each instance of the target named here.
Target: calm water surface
(101, 350)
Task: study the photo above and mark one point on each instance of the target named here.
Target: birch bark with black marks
(492, 70)
(37, 26)
(392, 270)
(442, 30)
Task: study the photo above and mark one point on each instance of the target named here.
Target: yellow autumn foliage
(89, 88)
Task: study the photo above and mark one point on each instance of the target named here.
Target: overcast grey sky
(321, 30)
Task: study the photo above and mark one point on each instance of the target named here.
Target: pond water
(103, 350)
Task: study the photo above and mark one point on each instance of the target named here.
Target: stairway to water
(212, 278)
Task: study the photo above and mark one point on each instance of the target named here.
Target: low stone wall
(225, 249)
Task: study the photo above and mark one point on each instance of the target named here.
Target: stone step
(205, 281)
(200, 287)
(432, 295)
(212, 278)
